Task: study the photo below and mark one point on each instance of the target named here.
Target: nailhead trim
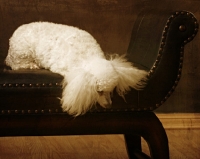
(34, 85)
(48, 111)
(52, 111)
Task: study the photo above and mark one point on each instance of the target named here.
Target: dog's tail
(129, 76)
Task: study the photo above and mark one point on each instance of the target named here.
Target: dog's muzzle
(105, 100)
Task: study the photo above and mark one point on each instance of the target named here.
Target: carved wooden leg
(134, 148)
(157, 140)
(133, 143)
(150, 128)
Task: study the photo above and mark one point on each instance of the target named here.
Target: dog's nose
(108, 105)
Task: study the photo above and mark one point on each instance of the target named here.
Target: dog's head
(104, 89)
(96, 80)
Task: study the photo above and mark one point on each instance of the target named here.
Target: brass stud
(4, 85)
(163, 37)
(182, 28)
(169, 93)
(30, 85)
(23, 111)
(157, 61)
(16, 85)
(37, 84)
(16, 111)
(164, 31)
(42, 111)
(36, 111)
(50, 110)
(3, 112)
(151, 72)
(149, 75)
(173, 88)
(29, 111)
(57, 84)
(9, 111)
(10, 85)
(176, 82)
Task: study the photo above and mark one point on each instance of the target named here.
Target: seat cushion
(39, 91)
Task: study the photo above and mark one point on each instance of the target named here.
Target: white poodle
(88, 76)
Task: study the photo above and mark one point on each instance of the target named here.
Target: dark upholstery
(29, 99)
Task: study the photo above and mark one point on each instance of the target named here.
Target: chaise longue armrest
(156, 45)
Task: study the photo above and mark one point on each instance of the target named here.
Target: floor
(184, 144)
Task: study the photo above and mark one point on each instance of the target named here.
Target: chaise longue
(29, 99)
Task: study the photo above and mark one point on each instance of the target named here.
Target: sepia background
(96, 16)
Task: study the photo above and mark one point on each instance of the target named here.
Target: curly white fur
(88, 76)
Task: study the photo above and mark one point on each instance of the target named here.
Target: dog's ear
(79, 92)
(129, 76)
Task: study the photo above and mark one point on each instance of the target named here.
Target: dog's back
(51, 46)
